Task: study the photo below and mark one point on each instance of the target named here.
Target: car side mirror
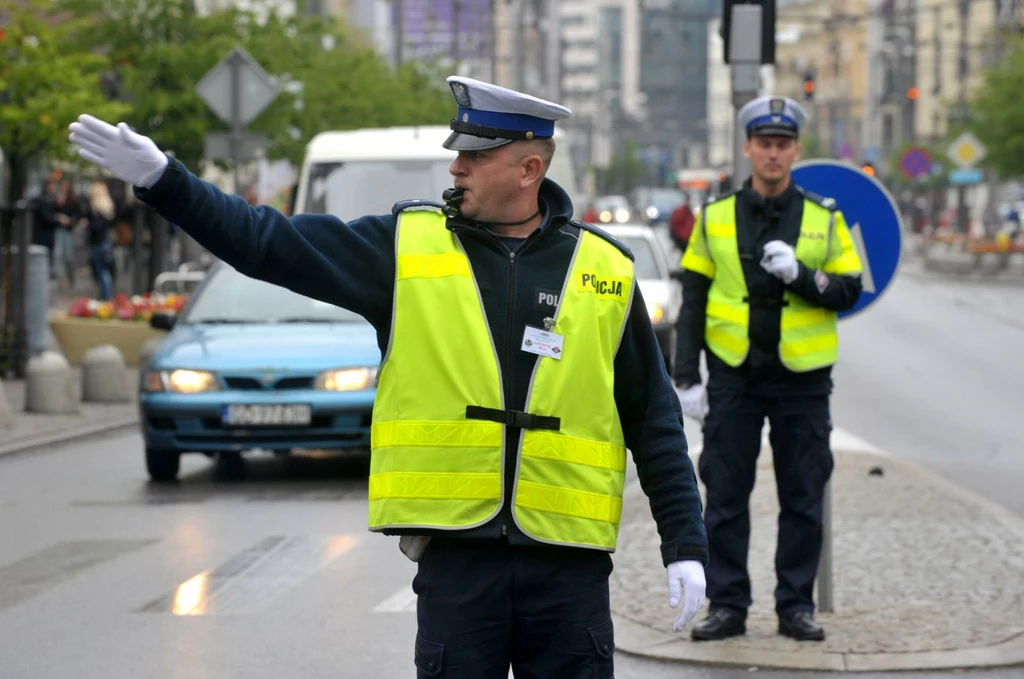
(162, 320)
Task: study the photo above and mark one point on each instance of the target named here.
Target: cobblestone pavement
(920, 567)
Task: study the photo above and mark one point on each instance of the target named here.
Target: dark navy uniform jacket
(352, 265)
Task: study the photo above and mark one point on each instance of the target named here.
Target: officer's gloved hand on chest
(128, 156)
(780, 261)
(685, 581)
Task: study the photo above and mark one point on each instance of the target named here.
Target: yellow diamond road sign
(966, 151)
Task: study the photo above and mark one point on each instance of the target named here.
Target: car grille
(243, 383)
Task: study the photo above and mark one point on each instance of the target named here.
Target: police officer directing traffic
(768, 268)
(519, 365)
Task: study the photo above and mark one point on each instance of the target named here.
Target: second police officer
(767, 270)
(519, 365)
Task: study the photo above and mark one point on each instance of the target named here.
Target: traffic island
(926, 576)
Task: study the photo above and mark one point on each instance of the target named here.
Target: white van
(365, 172)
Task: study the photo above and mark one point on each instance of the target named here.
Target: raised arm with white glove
(128, 156)
(686, 582)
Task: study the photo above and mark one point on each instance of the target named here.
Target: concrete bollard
(6, 416)
(50, 385)
(147, 351)
(104, 375)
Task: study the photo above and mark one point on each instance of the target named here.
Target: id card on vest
(542, 342)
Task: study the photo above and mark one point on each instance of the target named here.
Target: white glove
(780, 261)
(685, 578)
(128, 156)
(694, 401)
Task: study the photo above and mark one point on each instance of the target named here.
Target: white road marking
(402, 601)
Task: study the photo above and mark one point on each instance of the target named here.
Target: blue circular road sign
(871, 214)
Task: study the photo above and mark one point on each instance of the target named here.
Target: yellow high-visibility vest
(808, 333)
(434, 464)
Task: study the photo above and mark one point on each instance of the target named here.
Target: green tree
(329, 78)
(46, 81)
(998, 116)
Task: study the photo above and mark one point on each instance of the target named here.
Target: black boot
(720, 624)
(801, 626)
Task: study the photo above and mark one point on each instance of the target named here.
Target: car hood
(292, 346)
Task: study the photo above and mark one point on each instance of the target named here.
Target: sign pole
(745, 66)
(236, 121)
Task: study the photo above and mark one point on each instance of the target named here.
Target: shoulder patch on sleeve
(605, 235)
(823, 201)
(415, 204)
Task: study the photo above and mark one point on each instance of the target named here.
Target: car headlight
(652, 212)
(605, 216)
(180, 381)
(656, 312)
(622, 215)
(346, 379)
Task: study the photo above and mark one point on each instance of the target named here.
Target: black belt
(765, 302)
(513, 418)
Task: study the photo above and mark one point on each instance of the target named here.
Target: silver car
(662, 293)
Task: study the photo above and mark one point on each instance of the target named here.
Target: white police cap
(490, 116)
(772, 116)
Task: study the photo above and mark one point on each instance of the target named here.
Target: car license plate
(267, 415)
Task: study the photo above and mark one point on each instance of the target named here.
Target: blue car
(250, 365)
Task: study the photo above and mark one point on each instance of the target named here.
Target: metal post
(19, 354)
(745, 67)
(825, 604)
(962, 221)
(236, 120)
(138, 271)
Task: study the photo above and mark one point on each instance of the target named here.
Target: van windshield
(353, 189)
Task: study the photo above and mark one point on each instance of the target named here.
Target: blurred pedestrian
(681, 224)
(69, 216)
(101, 249)
(520, 364)
(767, 270)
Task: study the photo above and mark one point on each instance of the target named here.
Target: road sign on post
(871, 214)
(915, 163)
(237, 89)
(966, 151)
(875, 226)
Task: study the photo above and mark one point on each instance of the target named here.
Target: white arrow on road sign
(867, 281)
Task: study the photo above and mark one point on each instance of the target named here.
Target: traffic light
(912, 93)
(869, 169)
(767, 27)
(808, 87)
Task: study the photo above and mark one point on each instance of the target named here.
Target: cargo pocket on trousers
(429, 658)
(603, 638)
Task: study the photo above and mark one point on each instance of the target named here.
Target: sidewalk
(31, 430)
(927, 576)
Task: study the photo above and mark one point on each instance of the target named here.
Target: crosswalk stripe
(402, 601)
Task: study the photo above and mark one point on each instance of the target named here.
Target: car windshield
(665, 199)
(646, 264)
(353, 189)
(611, 203)
(231, 297)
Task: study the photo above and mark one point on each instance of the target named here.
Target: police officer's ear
(531, 168)
(799, 150)
(746, 147)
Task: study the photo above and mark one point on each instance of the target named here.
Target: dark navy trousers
(799, 437)
(484, 606)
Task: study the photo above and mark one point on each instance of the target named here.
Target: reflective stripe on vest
(808, 333)
(433, 468)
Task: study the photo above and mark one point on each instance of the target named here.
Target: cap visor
(459, 141)
(774, 131)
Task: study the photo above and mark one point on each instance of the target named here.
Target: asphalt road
(274, 575)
